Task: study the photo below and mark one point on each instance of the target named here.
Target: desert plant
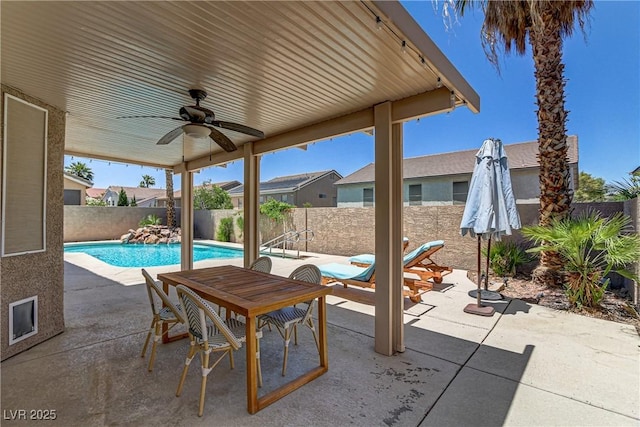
(150, 220)
(240, 224)
(506, 257)
(626, 189)
(225, 228)
(592, 247)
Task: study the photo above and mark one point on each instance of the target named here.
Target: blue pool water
(123, 255)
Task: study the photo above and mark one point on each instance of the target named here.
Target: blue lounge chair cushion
(362, 259)
(351, 272)
(370, 258)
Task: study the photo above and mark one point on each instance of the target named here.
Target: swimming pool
(123, 255)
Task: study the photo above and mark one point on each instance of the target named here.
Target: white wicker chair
(262, 264)
(170, 314)
(208, 333)
(287, 319)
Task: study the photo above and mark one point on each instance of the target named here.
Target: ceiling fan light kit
(196, 131)
(201, 121)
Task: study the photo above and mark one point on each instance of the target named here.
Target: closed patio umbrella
(490, 210)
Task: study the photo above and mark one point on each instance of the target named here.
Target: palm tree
(626, 189)
(81, 170)
(171, 204)
(545, 23)
(147, 181)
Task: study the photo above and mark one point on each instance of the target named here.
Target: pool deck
(526, 365)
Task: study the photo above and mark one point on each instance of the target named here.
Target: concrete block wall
(87, 223)
(338, 231)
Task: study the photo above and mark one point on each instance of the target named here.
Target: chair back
(153, 288)
(198, 312)
(422, 252)
(262, 264)
(307, 273)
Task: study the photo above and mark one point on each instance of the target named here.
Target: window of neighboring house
(460, 191)
(367, 196)
(72, 197)
(261, 199)
(239, 203)
(322, 196)
(415, 194)
(284, 198)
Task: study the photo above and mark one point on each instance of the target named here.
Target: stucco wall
(72, 185)
(85, 223)
(42, 273)
(310, 193)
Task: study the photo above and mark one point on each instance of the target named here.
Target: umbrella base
(485, 294)
(479, 310)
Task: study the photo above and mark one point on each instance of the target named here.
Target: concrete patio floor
(526, 365)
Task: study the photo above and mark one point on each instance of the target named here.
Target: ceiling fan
(201, 122)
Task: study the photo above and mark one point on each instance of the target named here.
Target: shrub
(506, 257)
(149, 220)
(224, 230)
(275, 209)
(240, 224)
(591, 247)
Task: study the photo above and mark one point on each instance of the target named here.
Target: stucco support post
(186, 221)
(251, 204)
(389, 328)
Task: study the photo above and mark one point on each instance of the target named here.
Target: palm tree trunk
(555, 193)
(171, 204)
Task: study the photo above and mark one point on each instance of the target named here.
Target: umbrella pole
(479, 275)
(486, 277)
(478, 308)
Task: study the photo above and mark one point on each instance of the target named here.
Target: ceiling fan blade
(239, 128)
(222, 140)
(150, 117)
(170, 136)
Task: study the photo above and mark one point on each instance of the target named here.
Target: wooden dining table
(251, 293)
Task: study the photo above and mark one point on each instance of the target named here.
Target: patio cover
(299, 71)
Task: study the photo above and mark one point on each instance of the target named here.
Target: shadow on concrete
(93, 374)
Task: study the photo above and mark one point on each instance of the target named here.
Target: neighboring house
(95, 193)
(177, 195)
(443, 179)
(145, 197)
(315, 188)
(75, 189)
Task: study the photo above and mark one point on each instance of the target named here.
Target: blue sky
(602, 96)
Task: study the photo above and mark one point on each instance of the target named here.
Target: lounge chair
(365, 277)
(365, 260)
(417, 262)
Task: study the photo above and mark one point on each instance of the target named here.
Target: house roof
(520, 155)
(140, 193)
(95, 193)
(77, 179)
(298, 71)
(286, 184)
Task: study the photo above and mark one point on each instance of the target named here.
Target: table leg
(252, 371)
(322, 332)
(165, 329)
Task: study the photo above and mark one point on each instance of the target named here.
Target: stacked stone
(152, 234)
